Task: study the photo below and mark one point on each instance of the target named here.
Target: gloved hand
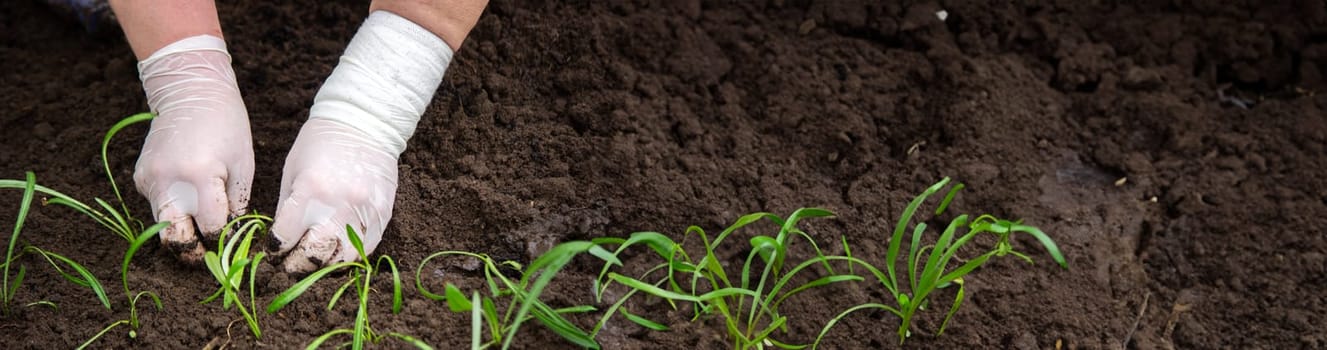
(342, 169)
(334, 176)
(197, 162)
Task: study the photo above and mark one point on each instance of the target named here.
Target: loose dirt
(1175, 151)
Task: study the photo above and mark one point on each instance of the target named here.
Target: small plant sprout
(119, 221)
(749, 305)
(525, 303)
(927, 267)
(132, 321)
(361, 274)
(229, 265)
(80, 275)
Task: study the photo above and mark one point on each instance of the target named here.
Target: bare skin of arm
(450, 20)
(151, 25)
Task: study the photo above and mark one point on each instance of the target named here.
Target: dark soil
(1175, 151)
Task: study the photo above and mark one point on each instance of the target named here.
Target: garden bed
(1175, 154)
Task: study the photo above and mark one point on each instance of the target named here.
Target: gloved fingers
(326, 243)
(179, 237)
(237, 187)
(323, 238)
(212, 208)
(294, 215)
(313, 252)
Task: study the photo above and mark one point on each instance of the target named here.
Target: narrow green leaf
(643, 322)
(29, 186)
(476, 324)
(46, 303)
(397, 297)
(253, 305)
(845, 313)
(456, 300)
(491, 313)
(579, 309)
(786, 346)
(213, 263)
(662, 293)
(317, 342)
(913, 254)
(774, 325)
(661, 244)
(342, 290)
(765, 246)
(303, 285)
(87, 279)
(548, 265)
(120, 221)
(683, 266)
(214, 296)
(138, 242)
(949, 197)
(101, 333)
(891, 255)
(847, 251)
(958, 299)
(236, 271)
(967, 267)
(935, 266)
(552, 320)
(64, 199)
(239, 245)
(823, 281)
(419, 271)
(18, 281)
(1045, 240)
(419, 344)
(355, 241)
(604, 254)
(105, 143)
(362, 317)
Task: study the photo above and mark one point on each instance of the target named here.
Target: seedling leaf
(644, 322)
(303, 285)
(1045, 240)
(137, 243)
(106, 142)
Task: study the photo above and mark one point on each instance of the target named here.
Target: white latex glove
(342, 169)
(197, 162)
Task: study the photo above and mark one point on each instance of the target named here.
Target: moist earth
(1174, 150)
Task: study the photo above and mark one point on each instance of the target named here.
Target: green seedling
(132, 321)
(748, 305)
(80, 276)
(524, 294)
(228, 266)
(119, 221)
(928, 266)
(361, 274)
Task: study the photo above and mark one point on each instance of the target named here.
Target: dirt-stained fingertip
(274, 245)
(298, 264)
(190, 254)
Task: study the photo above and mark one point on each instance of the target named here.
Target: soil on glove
(1175, 151)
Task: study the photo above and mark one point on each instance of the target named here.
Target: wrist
(450, 20)
(191, 73)
(384, 81)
